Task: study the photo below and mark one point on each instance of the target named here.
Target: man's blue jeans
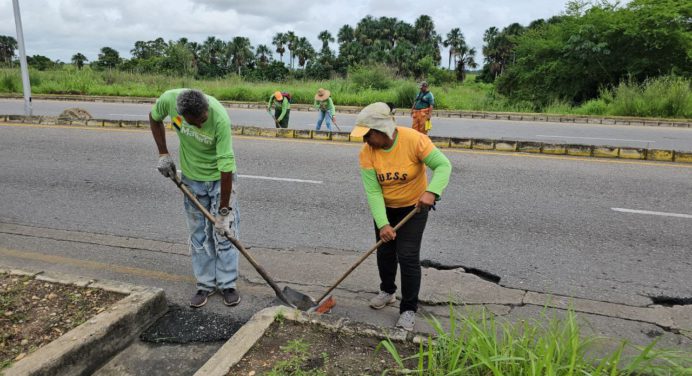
(214, 258)
(321, 116)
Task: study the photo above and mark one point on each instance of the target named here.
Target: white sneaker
(382, 299)
(407, 320)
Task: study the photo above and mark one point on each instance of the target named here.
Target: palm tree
(291, 40)
(304, 51)
(325, 36)
(240, 52)
(7, 46)
(78, 60)
(453, 41)
(212, 48)
(466, 60)
(279, 41)
(263, 54)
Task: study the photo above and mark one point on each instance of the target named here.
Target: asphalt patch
(182, 325)
(669, 301)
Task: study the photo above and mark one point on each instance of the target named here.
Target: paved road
(540, 223)
(589, 134)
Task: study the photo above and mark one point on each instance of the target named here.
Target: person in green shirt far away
(325, 108)
(393, 164)
(282, 108)
(208, 169)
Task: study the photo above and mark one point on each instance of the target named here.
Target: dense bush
(376, 77)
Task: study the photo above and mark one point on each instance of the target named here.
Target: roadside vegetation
(480, 345)
(600, 57)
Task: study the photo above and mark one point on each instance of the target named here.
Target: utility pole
(26, 84)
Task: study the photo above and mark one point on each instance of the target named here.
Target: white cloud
(60, 28)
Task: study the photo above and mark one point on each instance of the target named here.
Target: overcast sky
(60, 28)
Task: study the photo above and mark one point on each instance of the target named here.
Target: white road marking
(594, 138)
(273, 178)
(281, 179)
(653, 213)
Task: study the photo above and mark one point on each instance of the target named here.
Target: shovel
(276, 122)
(323, 305)
(334, 122)
(279, 294)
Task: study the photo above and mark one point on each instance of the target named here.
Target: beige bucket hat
(322, 94)
(375, 116)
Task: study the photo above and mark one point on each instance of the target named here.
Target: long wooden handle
(368, 253)
(233, 240)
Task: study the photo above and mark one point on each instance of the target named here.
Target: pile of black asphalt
(187, 325)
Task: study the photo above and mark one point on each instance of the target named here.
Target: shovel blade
(298, 299)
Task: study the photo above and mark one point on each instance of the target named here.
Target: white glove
(166, 166)
(222, 223)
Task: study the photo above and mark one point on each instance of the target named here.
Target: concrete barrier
(576, 150)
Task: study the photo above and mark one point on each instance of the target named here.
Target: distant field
(470, 95)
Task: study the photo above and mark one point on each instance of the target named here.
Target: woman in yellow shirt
(393, 170)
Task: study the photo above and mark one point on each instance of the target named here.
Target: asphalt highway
(608, 230)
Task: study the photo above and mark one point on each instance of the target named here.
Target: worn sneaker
(230, 297)
(381, 300)
(200, 298)
(407, 320)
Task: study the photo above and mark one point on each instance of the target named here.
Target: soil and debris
(33, 313)
(290, 348)
(74, 114)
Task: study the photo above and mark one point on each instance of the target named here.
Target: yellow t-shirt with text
(400, 170)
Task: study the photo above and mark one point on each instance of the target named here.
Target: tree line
(569, 57)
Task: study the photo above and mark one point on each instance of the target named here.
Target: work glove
(166, 166)
(222, 223)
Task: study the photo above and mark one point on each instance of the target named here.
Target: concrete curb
(242, 341)
(577, 150)
(85, 348)
(513, 116)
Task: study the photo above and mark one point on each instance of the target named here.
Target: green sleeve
(442, 168)
(373, 192)
(332, 110)
(284, 107)
(162, 107)
(317, 104)
(269, 105)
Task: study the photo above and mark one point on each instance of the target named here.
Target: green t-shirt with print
(204, 152)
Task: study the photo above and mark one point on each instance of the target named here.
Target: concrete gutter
(577, 150)
(242, 341)
(87, 347)
(513, 116)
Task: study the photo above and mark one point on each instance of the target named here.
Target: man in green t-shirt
(282, 108)
(208, 170)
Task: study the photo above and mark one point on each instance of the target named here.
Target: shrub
(405, 95)
(376, 77)
(9, 84)
(666, 96)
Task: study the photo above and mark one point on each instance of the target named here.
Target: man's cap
(423, 83)
(375, 116)
(278, 96)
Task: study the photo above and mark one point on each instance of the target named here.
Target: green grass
(481, 346)
(667, 96)
(298, 352)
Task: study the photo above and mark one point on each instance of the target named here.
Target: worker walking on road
(209, 171)
(325, 108)
(422, 108)
(393, 165)
(282, 108)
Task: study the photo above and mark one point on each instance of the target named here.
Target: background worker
(282, 108)
(208, 169)
(393, 171)
(422, 108)
(325, 108)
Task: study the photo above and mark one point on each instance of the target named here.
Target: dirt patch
(75, 114)
(289, 348)
(33, 313)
